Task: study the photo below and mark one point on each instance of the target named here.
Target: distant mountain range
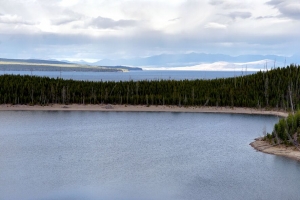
(35, 61)
(190, 59)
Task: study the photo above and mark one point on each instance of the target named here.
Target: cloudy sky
(99, 29)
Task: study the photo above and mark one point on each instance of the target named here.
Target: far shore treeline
(275, 89)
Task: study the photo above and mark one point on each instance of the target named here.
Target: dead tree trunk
(291, 101)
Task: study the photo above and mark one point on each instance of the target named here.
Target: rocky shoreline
(279, 150)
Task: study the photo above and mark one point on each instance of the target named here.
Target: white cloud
(96, 29)
(238, 14)
(14, 19)
(288, 8)
(107, 23)
(215, 25)
(68, 3)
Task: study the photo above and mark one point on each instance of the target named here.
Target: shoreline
(141, 108)
(278, 150)
(257, 144)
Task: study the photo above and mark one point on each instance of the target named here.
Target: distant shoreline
(279, 150)
(141, 108)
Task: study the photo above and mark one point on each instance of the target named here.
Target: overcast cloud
(99, 29)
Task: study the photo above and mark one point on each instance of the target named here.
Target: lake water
(133, 75)
(155, 156)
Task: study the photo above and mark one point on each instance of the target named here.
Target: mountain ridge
(174, 60)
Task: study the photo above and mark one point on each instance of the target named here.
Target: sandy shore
(140, 108)
(280, 150)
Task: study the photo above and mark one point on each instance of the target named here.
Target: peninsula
(280, 150)
(284, 139)
(52, 65)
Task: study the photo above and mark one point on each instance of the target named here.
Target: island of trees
(276, 89)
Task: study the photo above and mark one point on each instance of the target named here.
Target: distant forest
(276, 89)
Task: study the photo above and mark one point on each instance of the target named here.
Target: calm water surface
(97, 155)
(133, 75)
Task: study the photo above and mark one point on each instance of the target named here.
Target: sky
(92, 30)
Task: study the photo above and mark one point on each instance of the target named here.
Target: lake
(156, 156)
(134, 75)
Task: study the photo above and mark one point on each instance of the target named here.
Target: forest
(274, 89)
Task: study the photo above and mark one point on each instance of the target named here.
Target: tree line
(277, 88)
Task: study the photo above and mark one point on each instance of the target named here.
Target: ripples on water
(95, 155)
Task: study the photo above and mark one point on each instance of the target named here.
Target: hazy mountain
(173, 60)
(81, 62)
(36, 61)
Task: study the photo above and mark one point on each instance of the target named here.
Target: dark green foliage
(287, 128)
(261, 90)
